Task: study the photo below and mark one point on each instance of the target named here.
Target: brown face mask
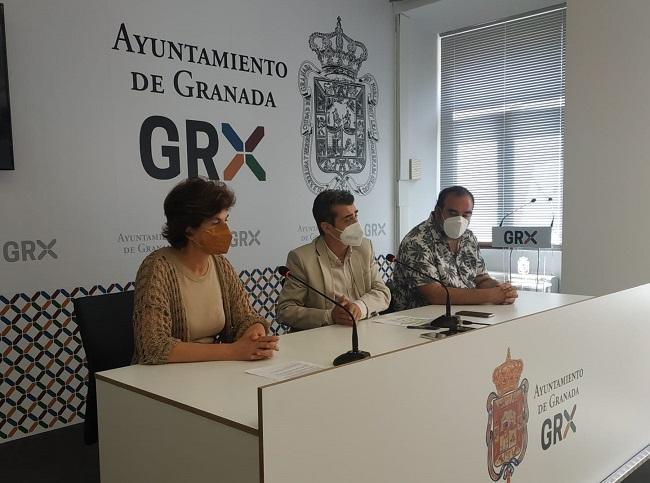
(214, 240)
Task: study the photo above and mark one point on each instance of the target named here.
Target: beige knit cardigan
(159, 319)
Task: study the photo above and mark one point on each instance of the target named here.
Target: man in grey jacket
(340, 263)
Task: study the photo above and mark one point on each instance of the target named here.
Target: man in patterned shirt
(444, 248)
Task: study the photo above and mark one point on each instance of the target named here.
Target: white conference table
(223, 393)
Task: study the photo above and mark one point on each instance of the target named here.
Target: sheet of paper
(401, 320)
(286, 370)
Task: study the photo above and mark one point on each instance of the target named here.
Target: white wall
(418, 122)
(76, 123)
(607, 166)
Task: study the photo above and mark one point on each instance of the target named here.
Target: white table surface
(223, 388)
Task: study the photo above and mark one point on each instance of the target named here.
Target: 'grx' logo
(14, 251)
(167, 164)
(557, 429)
(516, 237)
(245, 238)
(244, 151)
(374, 229)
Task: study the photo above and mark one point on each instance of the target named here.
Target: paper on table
(400, 320)
(286, 370)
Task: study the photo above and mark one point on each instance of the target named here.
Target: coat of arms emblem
(339, 125)
(507, 435)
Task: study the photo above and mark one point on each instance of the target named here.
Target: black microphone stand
(351, 356)
(452, 323)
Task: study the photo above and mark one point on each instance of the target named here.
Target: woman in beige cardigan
(189, 303)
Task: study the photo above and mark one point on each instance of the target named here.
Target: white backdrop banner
(114, 102)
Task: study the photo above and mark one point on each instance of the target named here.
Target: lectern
(522, 238)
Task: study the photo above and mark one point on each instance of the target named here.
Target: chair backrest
(391, 286)
(106, 326)
(105, 323)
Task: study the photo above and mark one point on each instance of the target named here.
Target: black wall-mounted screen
(6, 142)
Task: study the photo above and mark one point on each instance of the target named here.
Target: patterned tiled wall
(43, 373)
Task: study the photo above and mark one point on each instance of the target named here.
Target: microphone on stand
(447, 321)
(533, 200)
(552, 219)
(355, 354)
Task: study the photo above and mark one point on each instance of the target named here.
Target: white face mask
(352, 236)
(455, 226)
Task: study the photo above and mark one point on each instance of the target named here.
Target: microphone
(533, 200)
(447, 321)
(355, 354)
(552, 219)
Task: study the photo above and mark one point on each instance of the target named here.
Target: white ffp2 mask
(455, 226)
(352, 235)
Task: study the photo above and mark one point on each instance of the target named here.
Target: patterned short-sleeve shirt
(425, 248)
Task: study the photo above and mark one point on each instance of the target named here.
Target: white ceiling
(440, 16)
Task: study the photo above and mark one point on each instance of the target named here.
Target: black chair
(391, 286)
(106, 326)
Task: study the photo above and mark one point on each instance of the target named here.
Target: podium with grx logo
(522, 238)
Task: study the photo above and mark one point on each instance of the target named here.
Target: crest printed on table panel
(507, 433)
